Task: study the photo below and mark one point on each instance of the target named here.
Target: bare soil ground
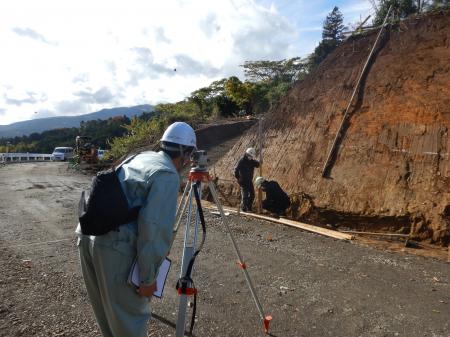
(311, 285)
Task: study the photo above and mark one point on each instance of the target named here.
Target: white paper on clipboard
(163, 271)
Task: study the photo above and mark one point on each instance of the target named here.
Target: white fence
(24, 157)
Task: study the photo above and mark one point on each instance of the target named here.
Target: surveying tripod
(199, 175)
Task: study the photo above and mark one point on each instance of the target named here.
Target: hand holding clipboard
(163, 271)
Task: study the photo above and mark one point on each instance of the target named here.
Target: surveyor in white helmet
(150, 180)
(244, 174)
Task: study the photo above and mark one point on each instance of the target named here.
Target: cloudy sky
(77, 56)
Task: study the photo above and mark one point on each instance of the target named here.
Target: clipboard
(163, 271)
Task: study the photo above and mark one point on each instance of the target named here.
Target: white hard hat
(251, 152)
(259, 181)
(180, 133)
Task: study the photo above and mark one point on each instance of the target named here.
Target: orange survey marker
(242, 265)
(267, 320)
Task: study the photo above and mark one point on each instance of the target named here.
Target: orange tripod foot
(267, 320)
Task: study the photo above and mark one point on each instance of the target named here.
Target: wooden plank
(374, 233)
(316, 229)
(296, 224)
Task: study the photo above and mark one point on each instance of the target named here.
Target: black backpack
(106, 207)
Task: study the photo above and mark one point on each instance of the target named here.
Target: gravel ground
(311, 285)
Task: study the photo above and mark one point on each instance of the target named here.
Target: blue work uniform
(149, 180)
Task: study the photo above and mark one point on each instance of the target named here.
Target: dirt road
(311, 285)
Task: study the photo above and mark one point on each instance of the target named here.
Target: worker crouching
(276, 201)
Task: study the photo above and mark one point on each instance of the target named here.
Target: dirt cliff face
(392, 166)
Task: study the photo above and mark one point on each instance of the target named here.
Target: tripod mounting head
(199, 161)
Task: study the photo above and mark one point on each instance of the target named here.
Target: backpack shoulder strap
(125, 161)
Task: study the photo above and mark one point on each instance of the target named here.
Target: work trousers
(106, 263)
(274, 207)
(247, 196)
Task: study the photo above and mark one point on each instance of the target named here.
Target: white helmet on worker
(259, 181)
(251, 152)
(179, 133)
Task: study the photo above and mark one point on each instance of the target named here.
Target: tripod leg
(189, 246)
(182, 206)
(182, 306)
(180, 211)
(266, 319)
(188, 251)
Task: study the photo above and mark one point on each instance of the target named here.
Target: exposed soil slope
(391, 170)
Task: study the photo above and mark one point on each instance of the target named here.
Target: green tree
(400, 9)
(144, 132)
(271, 80)
(214, 101)
(333, 27)
(224, 106)
(283, 70)
(240, 93)
(184, 110)
(262, 99)
(332, 36)
(202, 98)
(324, 48)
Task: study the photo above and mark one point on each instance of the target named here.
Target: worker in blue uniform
(150, 180)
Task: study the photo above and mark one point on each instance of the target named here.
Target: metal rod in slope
(260, 145)
(333, 149)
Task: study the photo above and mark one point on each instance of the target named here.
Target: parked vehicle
(62, 153)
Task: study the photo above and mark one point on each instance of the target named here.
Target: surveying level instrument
(199, 175)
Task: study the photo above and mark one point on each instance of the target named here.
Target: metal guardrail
(6, 158)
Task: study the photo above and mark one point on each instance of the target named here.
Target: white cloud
(101, 96)
(71, 107)
(28, 32)
(76, 56)
(16, 97)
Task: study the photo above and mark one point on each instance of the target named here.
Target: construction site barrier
(6, 158)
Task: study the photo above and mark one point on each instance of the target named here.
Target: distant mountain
(44, 124)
